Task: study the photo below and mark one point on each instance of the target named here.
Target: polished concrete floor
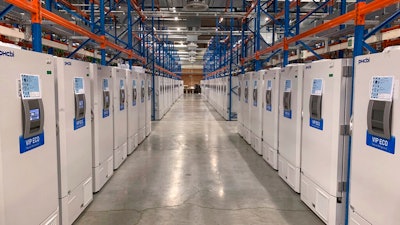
(195, 169)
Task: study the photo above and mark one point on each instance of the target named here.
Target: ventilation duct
(195, 5)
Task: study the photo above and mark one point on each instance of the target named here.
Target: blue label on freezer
(121, 107)
(79, 123)
(268, 108)
(106, 113)
(30, 143)
(383, 144)
(317, 124)
(287, 114)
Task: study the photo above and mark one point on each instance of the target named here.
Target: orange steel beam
(69, 5)
(217, 71)
(138, 9)
(136, 36)
(36, 15)
(362, 10)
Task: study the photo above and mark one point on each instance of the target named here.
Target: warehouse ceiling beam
(198, 32)
(206, 14)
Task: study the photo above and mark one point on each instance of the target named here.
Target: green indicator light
(48, 72)
(331, 75)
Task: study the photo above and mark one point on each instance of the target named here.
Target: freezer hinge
(347, 71)
(345, 130)
(342, 186)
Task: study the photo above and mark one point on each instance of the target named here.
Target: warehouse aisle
(195, 169)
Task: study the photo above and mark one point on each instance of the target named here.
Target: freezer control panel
(121, 95)
(315, 104)
(106, 98)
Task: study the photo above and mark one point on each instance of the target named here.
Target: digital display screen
(377, 115)
(106, 98)
(314, 108)
(35, 114)
(81, 104)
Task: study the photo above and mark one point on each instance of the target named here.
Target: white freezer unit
(28, 144)
(73, 104)
(240, 104)
(175, 89)
(142, 104)
(159, 104)
(120, 116)
(375, 162)
(256, 87)
(235, 98)
(246, 107)
(149, 93)
(181, 88)
(163, 97)
(102, 121)
(290, 122)
(216, 94)
(169, 95)
(326, 117)
(270, 117)
(132, 93)
(225, 98)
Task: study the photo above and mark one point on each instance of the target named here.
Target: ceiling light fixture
(176, 18)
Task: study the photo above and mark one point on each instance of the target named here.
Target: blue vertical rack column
(102, 33)
(37, 27)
